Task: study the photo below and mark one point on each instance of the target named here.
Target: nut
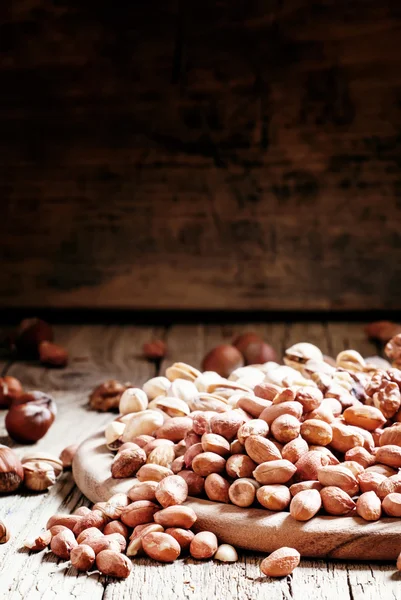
(242, 493)
(113, 432)
(67, 455)
(30, 417)
(139, 512)
(285, 428)
(345, 437)
(392, 505)
(151, 472)
(144, 422)
(216, 488)
(40, 542)
(360, 455)
(315, 431)
(382, 469)
(242, 341)
(285, 395)
(393, 350)
(368, 506)
(175, 429)
(183, 536)
(273, 497)
(336, 501)
(212, 442)
(350, 360)
(38, 476)
(280, 563)
(10, 388)
(338, 476)
(153, 444)
(116, 527)
(391, 435)
(240, 465)
(295, 488)
(353, 466)
(389, 485)
(204, 545)
(135, 544)
(370, 482)
(387, 398)
(367, 417)
(52, 355)
(133, 400)
(208, 462)
(382, 331)
(62, 544)
(271, 413)
(154, 350)
(309, 464)
(172, 490)
(298, 354)
(261, 450)
(252, 427)
(90, 535)
(82, 557)
(183, 390)
(113, 563)
(236, 447)
(127, 462)
(176, 516)
(157, 386)
(4, 533)
(226, 553)
(173, 407)
(161, 546)
(11, 471)
(305, 504)
(30, 333)
(252, 404)
(275, 471)
(389, 455)
(95, 519)
(106, 396)
(35, 456)
(259, 353)
(143, 490)
(227, 424)
(310, 398)
(223, 360)
(191, 453)
(293, 450)
(180, 370)
(194, 481)
(178, 464)
(68, 521)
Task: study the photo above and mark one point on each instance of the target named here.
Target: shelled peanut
(110, 534)
(305, 437)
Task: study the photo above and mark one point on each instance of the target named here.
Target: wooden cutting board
(253, 528)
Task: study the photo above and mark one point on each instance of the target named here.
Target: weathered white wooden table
(101, 352)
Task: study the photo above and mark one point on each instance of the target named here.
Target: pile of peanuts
(312, 436)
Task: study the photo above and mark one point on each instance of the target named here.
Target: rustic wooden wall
(174, 154)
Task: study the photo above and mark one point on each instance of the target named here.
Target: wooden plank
(242, 157)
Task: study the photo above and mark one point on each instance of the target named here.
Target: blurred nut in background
(155, 350)
(11, 471)
(223, 359)
(107, 395)
(30, 417)
(10, 388)
(29, 334)
(52, 355)
(67, 455)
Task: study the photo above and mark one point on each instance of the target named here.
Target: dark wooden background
(205, 154)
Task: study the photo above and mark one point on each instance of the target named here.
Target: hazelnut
(52, 355)
(223, 360)
(39, 543)
(11, 471)
(155, 350)
(242, 341)
(4, 533)
(62, 544)
(10, 388)
(204, 545)
(259, 353)
(161, 546)
(30, 417)
(67, 455)
(30, 333)
(82, 557)
(382, 331)
(113, 563)
(106, 396)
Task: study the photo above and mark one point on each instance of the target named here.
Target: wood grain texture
(98, 352)
(173, 155)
